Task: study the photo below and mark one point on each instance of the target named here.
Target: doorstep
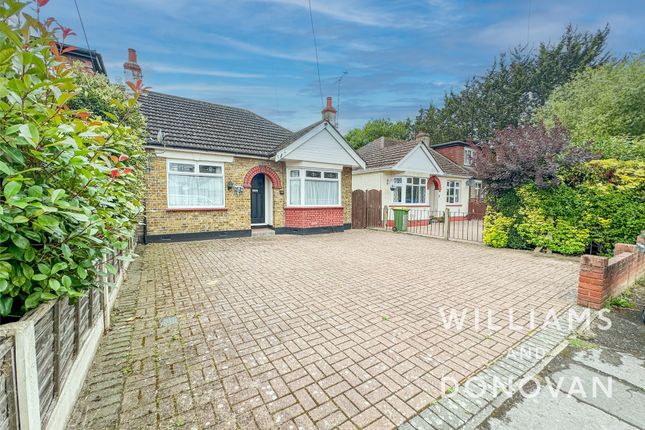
(262, 232)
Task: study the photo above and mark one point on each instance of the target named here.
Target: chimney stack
(329, 113)
(131, 68)
(423, 137)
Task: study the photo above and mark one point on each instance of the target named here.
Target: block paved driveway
(330, 331)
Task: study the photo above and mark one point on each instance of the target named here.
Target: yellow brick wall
(236, 217)
(346, 190)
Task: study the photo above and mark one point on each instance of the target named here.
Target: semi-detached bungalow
(220, 171)
(412, 174)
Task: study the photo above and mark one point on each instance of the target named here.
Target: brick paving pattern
(330, 331)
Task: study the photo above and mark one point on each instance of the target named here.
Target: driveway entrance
(330, 331)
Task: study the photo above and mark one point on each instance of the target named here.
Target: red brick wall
(602, 278)
(455, 153)
(313, 217)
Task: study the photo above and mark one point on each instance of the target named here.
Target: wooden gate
(366, 209)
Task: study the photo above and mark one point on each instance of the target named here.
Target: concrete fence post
(27, 376)
(105, 290)
(446, 224)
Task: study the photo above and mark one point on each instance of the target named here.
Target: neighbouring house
(461, 153)
(91, 59)
(221, 171)
(412, 174)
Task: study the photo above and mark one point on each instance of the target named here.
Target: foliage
(515, 86)
(96, 95)
(376, 128)
(496, 229)
(606, 106)
(596, 205)
(623, 300)
(522, 154)
(68, 192)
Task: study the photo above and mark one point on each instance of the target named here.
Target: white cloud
(170, 68)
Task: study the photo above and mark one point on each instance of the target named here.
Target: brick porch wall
(602, 278)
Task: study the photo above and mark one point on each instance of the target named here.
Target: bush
(496, 229)
(69, 194)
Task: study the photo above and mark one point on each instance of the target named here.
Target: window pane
(408, 193)
(415, 181)
(210, 169)
(422, 194)
(294, 191)
(397, 180)
(331, 175)
(295, 173)
(423, 181)
(195, 191)
(408, 180)
(313, 174)
(397, 194)
(321, 193)
(181, 167)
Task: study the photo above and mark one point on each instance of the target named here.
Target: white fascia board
(184, 154)
(304, 164)
(284, 153)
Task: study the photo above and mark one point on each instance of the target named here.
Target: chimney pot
(132, 55)
(131, 68)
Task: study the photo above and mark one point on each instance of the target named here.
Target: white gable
(418, 160)
(321, 145)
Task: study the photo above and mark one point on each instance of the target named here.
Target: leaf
(19, 241)
(56, 194)
(20, 219)
(6, 169)
(54, 284)
(110, 268)
(29, 254)
(33, 300)
(67, 281)
(58, 267)
(82, 273)
(43, 268)
(6, 304)
(11, 188)
(47, 220)
(27, 270)
(39, 277)
(3, 285)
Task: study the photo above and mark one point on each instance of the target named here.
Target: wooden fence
(366, 208)
(45, 356)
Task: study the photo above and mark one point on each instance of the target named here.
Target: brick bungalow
(415, 175)
(220, 171)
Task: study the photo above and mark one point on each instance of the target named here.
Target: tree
(604, 105)
(513, 88)
(376, 128)
(69, 195)
(523, 154)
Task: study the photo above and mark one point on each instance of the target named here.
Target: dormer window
(469, 156)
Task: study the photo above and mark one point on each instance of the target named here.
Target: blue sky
(399, 54)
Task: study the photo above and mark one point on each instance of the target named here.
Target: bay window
(313, 187)
(195, 185)
(452, 192)
(409, 190)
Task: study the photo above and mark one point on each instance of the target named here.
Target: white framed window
(313, 187)
(409, 190)
(469, 156)
(195, 185)
(479, 191)
(452, 192)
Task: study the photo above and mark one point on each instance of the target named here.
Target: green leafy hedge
(598, 204)
(68, 189)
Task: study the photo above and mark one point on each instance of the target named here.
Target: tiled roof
(384, 152)
(194, 124)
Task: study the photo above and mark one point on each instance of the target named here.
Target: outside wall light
(229, 185)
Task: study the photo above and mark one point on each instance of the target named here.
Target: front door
(257, 200)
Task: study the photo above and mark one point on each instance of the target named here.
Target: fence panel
(44, 331)
(8, 408)
(440, 224)
(373, 208)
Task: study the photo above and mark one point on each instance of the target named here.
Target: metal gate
(366, 209)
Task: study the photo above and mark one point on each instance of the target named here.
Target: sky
(398, 55)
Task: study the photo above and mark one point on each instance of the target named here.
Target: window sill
(410, 205)
(454, 204)
(196, 209)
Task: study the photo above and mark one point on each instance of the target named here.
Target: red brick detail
(454, 153)
(275, 178)
(602, 278)
(436, 181)
(307, 217)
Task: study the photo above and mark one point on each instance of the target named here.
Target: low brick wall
(311, 217)
(602, 278)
